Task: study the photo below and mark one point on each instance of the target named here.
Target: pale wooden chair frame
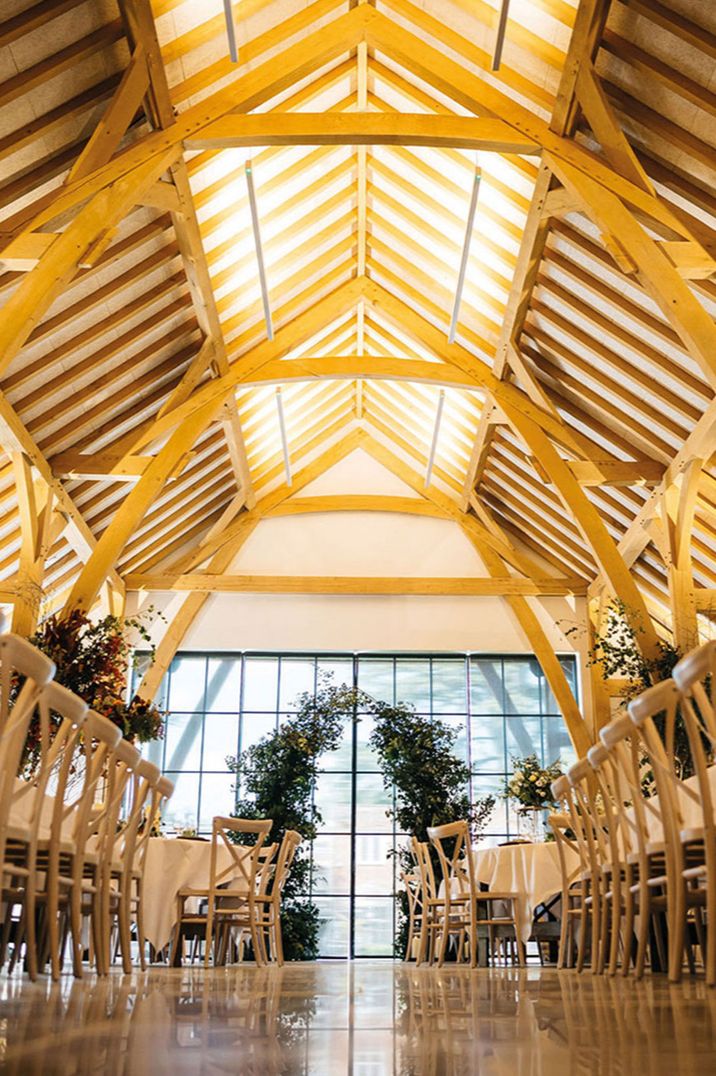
(244, 864)
(268, 897)
(683, 848)
(694, 676)
(644, 858)
(571, 890)
(27, 846)
(459, 874)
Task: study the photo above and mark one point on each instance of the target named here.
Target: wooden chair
(430, 922)
(28, 836)
(73, 866)
(694, 676)
(644, 848)
(572, 890)
(589, 829)
(684, 847)
(161, 791)
(463, 900)
(143, 777)
(457, 914)
(268, 897)
(414, 894)
(231, 892)
(614, 874)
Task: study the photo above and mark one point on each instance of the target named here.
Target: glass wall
(219, 704)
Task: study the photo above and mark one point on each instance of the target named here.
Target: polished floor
(365, 1019)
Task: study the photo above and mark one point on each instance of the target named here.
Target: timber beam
(466, 586)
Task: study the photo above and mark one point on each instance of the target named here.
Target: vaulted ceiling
(139, 372)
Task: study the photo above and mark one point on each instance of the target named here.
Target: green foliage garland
(616, 653)
(431, 784)
(276, 779)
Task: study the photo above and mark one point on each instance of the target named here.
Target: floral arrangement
(530, 783)
(91, 658)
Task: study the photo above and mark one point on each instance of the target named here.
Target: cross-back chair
(695, 676)
(231, 894)
(684, 847)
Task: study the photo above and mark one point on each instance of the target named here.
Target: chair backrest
(245, 860)
(421, 853)
(143, 781)
(24, 672)
(694, 676)
(79, 809)
(413, 891)
(608, 784)
(662, 702)
(639, 815)
(560, 824)
(452, 844)
(286, 855)
(563, 794)
(60, 716)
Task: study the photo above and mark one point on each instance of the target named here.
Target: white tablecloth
(530, 870)
(173, 864)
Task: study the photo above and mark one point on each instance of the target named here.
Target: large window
(219, 704)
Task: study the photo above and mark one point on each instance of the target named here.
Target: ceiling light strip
(259, 249)
(284, 439)
(500, 35)
(436, 434)
(465, 256)
(231, 31)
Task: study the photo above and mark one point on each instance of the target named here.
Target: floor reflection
(363, 1018)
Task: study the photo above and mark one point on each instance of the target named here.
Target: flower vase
(530, 823)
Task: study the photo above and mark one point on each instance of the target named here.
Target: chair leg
(124, 922)
(628, 921)
(643, 931)
(209, 930)
(139, 920)
(676, 917)
(444, 934)
(710, 962)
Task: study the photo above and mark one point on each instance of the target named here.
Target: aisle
(370, 1018)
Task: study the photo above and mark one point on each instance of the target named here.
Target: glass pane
(333, 800)
(217, 797)
(260, 684)
(297, 676)
(458, 725)
(570, 669)
(374, 870)
(522, 686)
(182, 808)
(449, 686)
(524, 737)
(373, 927)
(375, 677)
(221, 738)
(335, 916)
(486, 690)
(557, 744)
(372, 802)
(254, 727)
(186, 683)
(154, 751)
(366, 758)
(223, 684)
(341, 669)
(488, 743)
(412, 682)
(183, 742)
(340, 759)
(331, 864)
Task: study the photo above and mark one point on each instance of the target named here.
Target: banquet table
(531, 871)
(173, 864)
